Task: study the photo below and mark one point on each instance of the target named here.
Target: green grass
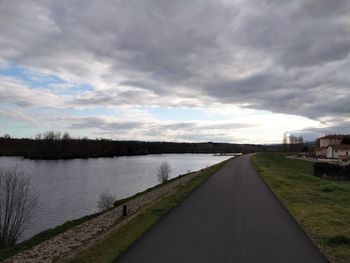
(321, 207)
(42, 236)
(113, 246)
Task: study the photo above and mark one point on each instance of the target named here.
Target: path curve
(232, 217)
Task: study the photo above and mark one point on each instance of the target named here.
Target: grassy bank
(113, 246)
(320, 206)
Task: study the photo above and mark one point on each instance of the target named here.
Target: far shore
(64, 149)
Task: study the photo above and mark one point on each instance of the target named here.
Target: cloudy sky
(239, 71)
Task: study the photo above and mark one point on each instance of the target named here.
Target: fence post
(124, 210)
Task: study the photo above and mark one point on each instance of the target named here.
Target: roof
(335, 136)
(340, 147)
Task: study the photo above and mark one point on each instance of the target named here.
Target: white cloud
(232, 58)
(17, 92)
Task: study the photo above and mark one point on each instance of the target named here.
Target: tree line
(292, 139)
(55, 145)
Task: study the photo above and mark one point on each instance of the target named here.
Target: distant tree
(163, 172)
(284, 141)
(106, 201)
(293, 139)
(49, 136)
(300, 140)
(305, 149)
(17, 205)
(51, 145)
(285, 138)
(66, 136)
(38, 136)
(7, 136)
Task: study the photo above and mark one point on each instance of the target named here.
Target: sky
(239, 71)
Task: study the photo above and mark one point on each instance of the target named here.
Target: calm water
(69, 189)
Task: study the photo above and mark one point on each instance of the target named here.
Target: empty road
(232, 217)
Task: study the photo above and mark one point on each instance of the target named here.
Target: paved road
(232, 217)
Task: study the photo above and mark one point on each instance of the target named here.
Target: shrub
(17, 205)
(106, 201)
(332, 171)
(163, 172)
(338, 240)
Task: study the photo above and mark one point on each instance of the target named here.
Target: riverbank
(63, 149)
(86, 235)
(320, 206)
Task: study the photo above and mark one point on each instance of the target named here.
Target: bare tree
(106, 201)
(51, 136)
(7, 136)
(285, 138)
(17, 205)
(38, 136)
(66, 136)
(163, 172)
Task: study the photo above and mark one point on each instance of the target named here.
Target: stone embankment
(70, 243)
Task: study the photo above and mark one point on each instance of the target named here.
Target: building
(333, 139)
(321, 151)
(341, 152)
(324, 151)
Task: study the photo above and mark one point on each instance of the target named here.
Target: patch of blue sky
(183, 114)
(78, 88)
(5, 106)
(29, 77)
(22, 129)
(15, 128)
(39, 80)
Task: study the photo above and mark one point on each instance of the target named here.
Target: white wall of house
(335, 153)
(330, 152)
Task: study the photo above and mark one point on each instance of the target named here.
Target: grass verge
(320, 206)
(113, 246)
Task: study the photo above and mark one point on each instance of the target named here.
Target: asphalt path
(232, 217)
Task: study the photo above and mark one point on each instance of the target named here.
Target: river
(70, 189)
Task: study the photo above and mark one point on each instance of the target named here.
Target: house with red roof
(331, 146)
(333, 139)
